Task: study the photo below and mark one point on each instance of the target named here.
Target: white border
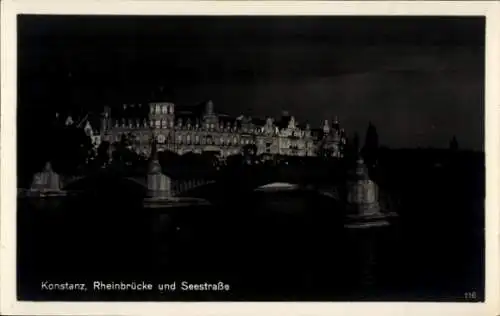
(10, 8)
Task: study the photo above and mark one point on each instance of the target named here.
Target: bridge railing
(177, 186)
(181, 186)
(68, 180)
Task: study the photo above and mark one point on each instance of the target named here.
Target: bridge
(161, 187)
(200, 187)
(178, 186)
(229, 181)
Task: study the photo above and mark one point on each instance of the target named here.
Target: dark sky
(419, 80)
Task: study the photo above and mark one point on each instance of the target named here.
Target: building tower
(370, 149)
(210, 119)
(161, 122)
(161, 115)
(363, 208)
(326, 127)
(105, 121)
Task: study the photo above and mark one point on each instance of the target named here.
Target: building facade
(199, 129)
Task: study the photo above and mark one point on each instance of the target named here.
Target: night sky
(419, 80)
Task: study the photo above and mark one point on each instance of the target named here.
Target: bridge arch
(106, 183)
(273, 186)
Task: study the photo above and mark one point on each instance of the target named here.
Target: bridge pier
(46, 181)
(363, 208)
(46, 189)
(159, 185)
(160, 193)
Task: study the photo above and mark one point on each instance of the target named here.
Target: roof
(258, 121)
(94, 120)
(227, 119)
(283, 121)
(130, 111)
(317, 132)
(303, 126)
(186, 116)
(193, 109)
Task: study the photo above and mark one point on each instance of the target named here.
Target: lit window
(164, 109)
(212, 126)
(161, 139)
(158, 123)
(171, 124)
(163, 124)
(157, 109)
(197, 139)
(171, 109)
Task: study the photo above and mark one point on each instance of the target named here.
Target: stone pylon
(159, 188)
(363, 208)
(159, 185)
(46, 181)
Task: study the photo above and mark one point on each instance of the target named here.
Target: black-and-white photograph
(250, 158)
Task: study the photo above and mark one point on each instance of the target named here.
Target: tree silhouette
(70, 148)
(324, 151)
(249, 153)
(370, 149)
(209, 159)
(454, 144)
(234, 161)
(171, 162)
(355, 142)
(352, 148)
(123, 156)
(103, 153)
